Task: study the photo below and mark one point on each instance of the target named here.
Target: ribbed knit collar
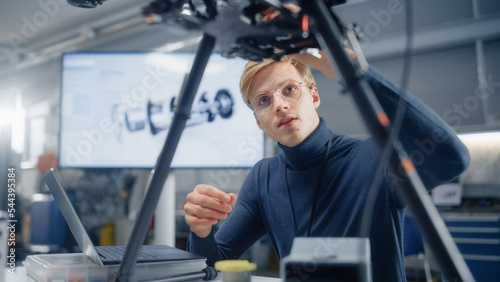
(311, 150)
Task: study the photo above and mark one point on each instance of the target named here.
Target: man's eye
(263, 100)
(288, 90)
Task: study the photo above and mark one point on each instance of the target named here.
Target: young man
(318, 168)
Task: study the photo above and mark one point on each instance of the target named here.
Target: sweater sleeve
(238, 232)
(434, 148)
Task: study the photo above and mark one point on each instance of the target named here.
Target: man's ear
(315, 96)
(258, 121)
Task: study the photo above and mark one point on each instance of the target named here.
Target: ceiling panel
(34, 31)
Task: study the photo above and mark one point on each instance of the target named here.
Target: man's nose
(278, 102)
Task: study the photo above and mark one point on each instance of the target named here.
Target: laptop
(110, 255)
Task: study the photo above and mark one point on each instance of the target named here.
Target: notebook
(109, 255)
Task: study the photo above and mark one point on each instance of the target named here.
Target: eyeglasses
(290, 91)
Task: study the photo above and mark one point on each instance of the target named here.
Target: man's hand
(321, 63)
(205, 206)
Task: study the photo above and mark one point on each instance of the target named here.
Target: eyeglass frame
(279, 89)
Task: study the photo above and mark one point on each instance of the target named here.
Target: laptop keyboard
(117, 252)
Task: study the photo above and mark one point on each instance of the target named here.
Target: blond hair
(252, 68)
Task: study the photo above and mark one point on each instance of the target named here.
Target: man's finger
(204, 212)
(214, 193)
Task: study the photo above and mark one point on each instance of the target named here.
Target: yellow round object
(235, 266)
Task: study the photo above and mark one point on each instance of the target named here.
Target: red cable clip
(305, 24)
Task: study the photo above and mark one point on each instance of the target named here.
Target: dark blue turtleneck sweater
(263, 205)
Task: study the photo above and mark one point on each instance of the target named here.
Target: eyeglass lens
(290, 91)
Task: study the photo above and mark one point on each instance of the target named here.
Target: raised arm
(433, 146)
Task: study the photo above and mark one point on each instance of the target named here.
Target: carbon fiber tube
(162, 168)
(412, 189)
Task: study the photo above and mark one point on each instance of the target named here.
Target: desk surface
(20, 276)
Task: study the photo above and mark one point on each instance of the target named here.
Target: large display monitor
(116, 109)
